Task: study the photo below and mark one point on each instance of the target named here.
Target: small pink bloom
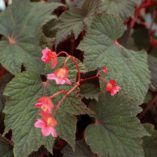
(105, 70)
(49, 56)
(45, 104)
(112, 87)
(60, 76)
(47, 125)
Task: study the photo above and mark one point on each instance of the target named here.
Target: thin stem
(56, 94)
(63, 52)
(64, 97)
(66, 60)
(103, 79)
(6, 140)
(78, 69)
(73, 60)
(149, 106)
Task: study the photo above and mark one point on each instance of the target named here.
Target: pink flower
(112, 87)
(45, 104)
(47, 125)
(60, 76)
(105, 70)
(49, 56)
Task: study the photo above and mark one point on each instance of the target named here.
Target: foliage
(73, 74)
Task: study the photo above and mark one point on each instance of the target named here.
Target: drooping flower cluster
(111, 86)
(47, 123)
(60, 75)
(49, 56)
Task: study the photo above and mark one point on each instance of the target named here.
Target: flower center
(44, 108)
(62, 72)
(109, 87)
(51, 121)
(51, 55)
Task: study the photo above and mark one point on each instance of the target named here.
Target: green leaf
(152, 65)
(5, 148)
(127, 67)
(20, 113)
(75, 20)
(20, 24)
(123, 8)
(66, 117)
(117, 131)
(89, 91)
(82, 150)
(150, 143)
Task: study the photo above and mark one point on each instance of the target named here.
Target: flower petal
(60, 81)
(38, 105)
(45, 131)
(39, 123)
(53, 132)
(51, 76)
(115, 90)
(54, 61)
(67, 81)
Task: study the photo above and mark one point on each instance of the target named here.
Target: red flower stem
(66, 60)
(73, 60)
(56, 94)
(71, 90)
(78, 69)
(103, 79)
(149, 106)
(4, 139)
(63, 52)
(64, 97)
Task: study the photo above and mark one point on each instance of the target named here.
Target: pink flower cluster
(61, 74)
(111, 86)
(47, 122)
(49, 56)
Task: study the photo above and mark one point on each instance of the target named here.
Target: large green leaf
(20, 113)
(66, 118)
(6, 149)
(150, 143)
(153, 69)
(82, 150)
(75, 20)
(22, 94)
(117, 131)
(89, 91)
(123, 8)
(127, 67)
(20, 24)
